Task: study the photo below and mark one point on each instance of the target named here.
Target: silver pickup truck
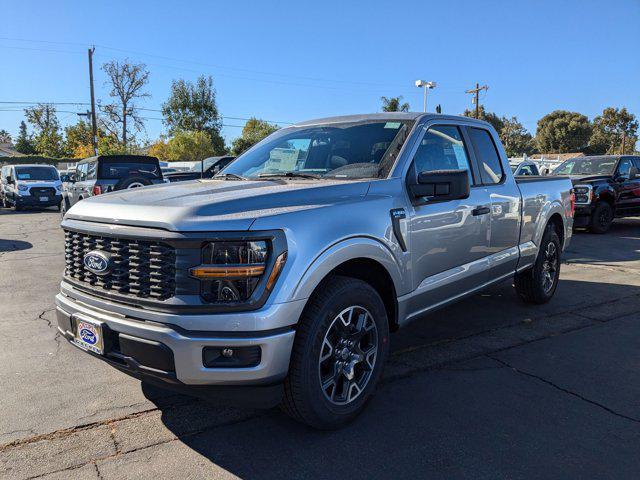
(279, 280)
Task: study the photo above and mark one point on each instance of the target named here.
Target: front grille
(141, 268)
(42, 191)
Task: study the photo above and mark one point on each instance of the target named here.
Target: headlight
(23, 188)
(231, 270)
(583, 193)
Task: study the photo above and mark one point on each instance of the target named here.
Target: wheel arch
(363, 258)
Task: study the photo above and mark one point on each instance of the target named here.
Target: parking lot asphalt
(487, 388)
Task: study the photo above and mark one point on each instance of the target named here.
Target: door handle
(480, 211)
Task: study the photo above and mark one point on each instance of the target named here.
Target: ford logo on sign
(98, 262)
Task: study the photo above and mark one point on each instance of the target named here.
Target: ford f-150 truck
(279, 280)
(606, 187)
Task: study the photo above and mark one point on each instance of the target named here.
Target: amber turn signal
(276, 269)
(227, 271)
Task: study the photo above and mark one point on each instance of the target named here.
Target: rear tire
(538, 284)
(16, 207)
(134, 182)
(601, 218)
(341, 346)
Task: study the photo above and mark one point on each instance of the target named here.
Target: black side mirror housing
(441, 185)
(634, 173)
(9, 179)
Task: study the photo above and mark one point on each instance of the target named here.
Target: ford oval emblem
(98, 262)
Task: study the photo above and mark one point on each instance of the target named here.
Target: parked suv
(212, 166)
(280, 279)
(106, 173)
(30, 186)
(606, 187)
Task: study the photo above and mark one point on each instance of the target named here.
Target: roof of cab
(91, 159)
(389, 116)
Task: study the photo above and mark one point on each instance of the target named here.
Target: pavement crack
(562, 389)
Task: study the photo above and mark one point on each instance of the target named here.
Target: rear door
(449, 240)
(504, 197)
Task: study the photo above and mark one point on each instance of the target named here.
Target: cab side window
(488, 159)
(92, 168)
(81, 172)
(624, 166)
(441, 148)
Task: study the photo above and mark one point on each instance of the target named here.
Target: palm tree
(393, 104)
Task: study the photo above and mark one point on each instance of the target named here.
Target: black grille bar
(143, 269)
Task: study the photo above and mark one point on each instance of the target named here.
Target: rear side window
(92, 168)
(488, 159)
(441, 148)
(120, 170)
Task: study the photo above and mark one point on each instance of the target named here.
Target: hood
(39, 183)
(220, 205)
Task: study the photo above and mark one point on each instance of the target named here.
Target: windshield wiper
(230, 176)
(289, 175)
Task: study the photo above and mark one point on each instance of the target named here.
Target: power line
(137, 108)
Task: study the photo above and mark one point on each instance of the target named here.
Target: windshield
(345, 151)
(587, 166)
(36, 173)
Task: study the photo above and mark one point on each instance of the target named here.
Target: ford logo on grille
(98, 262)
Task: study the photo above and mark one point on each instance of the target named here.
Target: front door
(628, 202)
(449, 240)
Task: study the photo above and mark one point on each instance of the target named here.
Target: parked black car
(606, 187)
(107, 173)
(212, 166)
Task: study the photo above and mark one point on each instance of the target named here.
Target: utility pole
(94, 126)
(476, 92)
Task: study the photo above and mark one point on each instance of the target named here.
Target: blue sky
(293, 60)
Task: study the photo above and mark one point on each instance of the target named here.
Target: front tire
(341, 346)
(538, 284)
(601, 218)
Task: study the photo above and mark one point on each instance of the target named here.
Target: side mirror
(634, 173)
(64, 178)
(9, 179)
(441, 185)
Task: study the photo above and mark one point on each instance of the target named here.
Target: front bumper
(582, 215)
(34, 201)
(160, 347)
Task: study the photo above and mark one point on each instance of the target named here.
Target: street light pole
(426, 86)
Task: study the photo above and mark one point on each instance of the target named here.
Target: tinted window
(587, 166)
(36, 173)
(118, 170)
(488, 158)
(441, 148)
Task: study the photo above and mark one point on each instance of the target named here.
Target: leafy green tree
(77, 138)
(614, 132)
(254, 131)
(394, 104)
(515, 138)
(192, 107)
(563, 132)
(190, 146)
(48, 139)
(5, 137)
(490, 117)
(24, 141)
(160, 150)
(127, 81)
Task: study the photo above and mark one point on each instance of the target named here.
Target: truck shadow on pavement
(609, 248)
(7, 245)
(450, 405)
